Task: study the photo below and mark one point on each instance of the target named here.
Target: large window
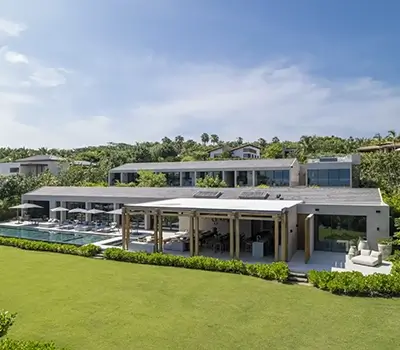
(173, 179)
(273, 177)
(329, 177)
(334, 232)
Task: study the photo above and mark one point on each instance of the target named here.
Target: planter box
(385, 249)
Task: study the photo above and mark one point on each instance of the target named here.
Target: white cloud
(265, 101)
(11, 28)
(15, 57)
(49, 77)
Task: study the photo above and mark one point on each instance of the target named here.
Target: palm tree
(214, 139)
(205, 138)
(262, 142)
(239, 140)
(392, 136)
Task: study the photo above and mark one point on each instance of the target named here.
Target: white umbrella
(95, 211)
(115, 212)
(78, 210)
(26, 206)
(58, 209)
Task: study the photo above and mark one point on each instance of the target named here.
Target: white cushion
(365, 252)
(365, 260)
(375, 254)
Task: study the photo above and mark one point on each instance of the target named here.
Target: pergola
(195, 209)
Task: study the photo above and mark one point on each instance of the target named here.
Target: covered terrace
(195, 211)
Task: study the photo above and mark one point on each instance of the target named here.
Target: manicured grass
(83, 303)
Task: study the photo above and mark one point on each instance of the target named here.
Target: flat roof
(208, 165)
(212, 204)
(113, 194)
(41, 158)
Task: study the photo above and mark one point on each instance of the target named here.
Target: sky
(75, 73)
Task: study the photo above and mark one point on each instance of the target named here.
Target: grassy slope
(90, 304)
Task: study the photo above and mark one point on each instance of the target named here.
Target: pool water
(51, 236)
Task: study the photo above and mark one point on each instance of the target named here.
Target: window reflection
(329, 177)
(273, 177)
(333, 232)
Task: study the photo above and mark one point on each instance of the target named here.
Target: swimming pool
(51, 236)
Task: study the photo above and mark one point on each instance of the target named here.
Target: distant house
(36, 165)
(387, 147)
(247, 151)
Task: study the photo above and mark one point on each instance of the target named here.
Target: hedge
(89, 250)
(278, 271)
(9, 344)
(6, 321)
(356, 284)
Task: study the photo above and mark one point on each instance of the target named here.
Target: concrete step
(298, 274)
(297, 279)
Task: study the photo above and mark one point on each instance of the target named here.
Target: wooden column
(231, 237)
(155, 220)
(127, 230)
(306, 240)
(123, 229)
(237, 237)
(276, 238)
(191, 219)
(284, 233)
(160, 234)
(196, 234)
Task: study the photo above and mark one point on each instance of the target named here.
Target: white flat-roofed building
(332, 171)
(286, 220)
(252, 172)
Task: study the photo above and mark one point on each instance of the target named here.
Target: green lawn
(89, 304)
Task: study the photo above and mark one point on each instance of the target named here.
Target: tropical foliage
(377, 169)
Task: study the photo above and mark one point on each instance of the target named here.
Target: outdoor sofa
(368, 258)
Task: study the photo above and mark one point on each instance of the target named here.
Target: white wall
(5, 168)
(240, 152)
(216, 152)
(295, 173)
(292, 231)
(374, 220)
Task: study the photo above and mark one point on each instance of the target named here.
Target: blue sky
(75, 73)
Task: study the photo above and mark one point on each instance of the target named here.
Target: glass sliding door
(334, 232)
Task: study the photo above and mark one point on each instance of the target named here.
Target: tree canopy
(377, 169)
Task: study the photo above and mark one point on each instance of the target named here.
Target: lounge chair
(368, 258)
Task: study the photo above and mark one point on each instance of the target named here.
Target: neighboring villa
(247, 151)
(311, 220)
(333, 171)
(322, 172)
(252, 172)
(36, 165)
(386, 147)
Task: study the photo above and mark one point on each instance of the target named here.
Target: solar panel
(254, 195)
(207, 194)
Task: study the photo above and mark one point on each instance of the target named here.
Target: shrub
(276, 271)
(6, 321)
(88, 250)
(9, 344)
(355, 283)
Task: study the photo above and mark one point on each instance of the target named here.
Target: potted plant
(385, 247)
(353, 249)
(362, 244)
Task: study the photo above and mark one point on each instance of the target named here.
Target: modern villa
(36, 165)
(254, 172)
(278, 222)
(322, 172)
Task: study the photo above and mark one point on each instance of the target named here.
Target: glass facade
(329, 177)
(334, 232)
(173, 179)
(273, 178)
